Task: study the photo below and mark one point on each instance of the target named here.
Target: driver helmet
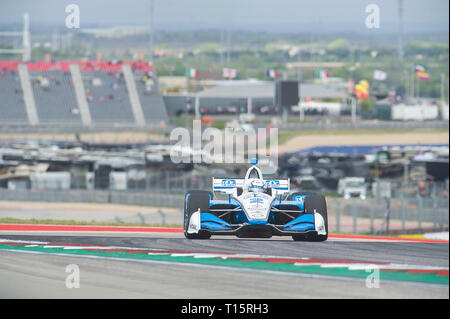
(256, 186)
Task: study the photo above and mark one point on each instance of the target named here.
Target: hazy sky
(253, 15)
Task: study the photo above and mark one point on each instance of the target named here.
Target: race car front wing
(303, 224)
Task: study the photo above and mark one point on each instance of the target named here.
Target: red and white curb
(86, 228)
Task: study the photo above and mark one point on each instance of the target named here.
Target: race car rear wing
(229, 185)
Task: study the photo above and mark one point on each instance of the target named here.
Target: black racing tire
(194, 200)
(319, 204)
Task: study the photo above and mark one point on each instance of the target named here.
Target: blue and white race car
(255, 208)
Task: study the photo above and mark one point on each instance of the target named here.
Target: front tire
(318, 204)
(194, 200)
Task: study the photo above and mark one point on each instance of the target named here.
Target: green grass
(219, 124)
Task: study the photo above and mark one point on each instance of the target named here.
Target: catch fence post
(338, 215)
(441, 214)
(166, 175)
(434, 211)
(147, 179)
(372, 216)
(419, 212)
(388, 214)
(403, 207)
(163, 216)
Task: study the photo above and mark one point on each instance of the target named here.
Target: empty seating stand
(12, 105)
(56, 103)
(107, 97)
(55, 97)
(152, 102)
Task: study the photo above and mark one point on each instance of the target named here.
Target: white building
(416, 112)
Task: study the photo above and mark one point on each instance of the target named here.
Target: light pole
(188, 108)
(152, 9)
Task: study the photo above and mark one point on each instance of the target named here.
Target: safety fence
(388, 216)
(370, 216)
(95, 196)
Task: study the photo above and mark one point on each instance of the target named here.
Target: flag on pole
(322, 74)
(419, 68)
(192, 73)
(229, 73)
(379, 75)
(423, 76)
(272, 74)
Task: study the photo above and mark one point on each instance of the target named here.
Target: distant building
(225, 96)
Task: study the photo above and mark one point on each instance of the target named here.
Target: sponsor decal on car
(299, 199)
(229, 182)
(273, 183)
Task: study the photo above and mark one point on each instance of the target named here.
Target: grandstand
(111, 100)
(107, 96)
(153, 104)
(54, 97)
(12, 105)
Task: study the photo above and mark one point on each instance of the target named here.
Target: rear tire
(193, 201)
(319, 204)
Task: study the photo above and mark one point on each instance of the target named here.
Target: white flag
(379, 75)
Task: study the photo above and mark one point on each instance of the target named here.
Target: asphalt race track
(166, 265)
